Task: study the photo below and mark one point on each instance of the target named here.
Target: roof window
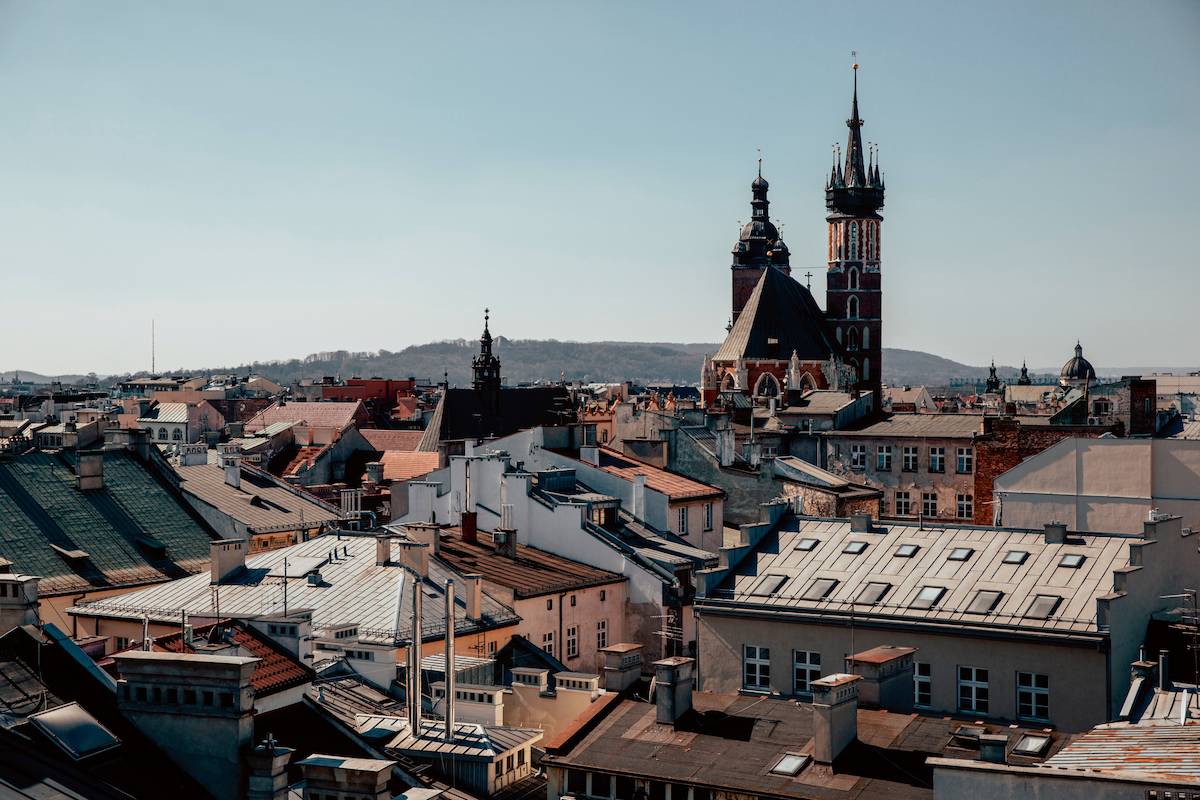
(1031, 744)
(854, 548)
(1072, 560)
(928, 597)
(768, 585)
(1015, 557)
(1043, 606)
(907, 550)
(960, 554)
(807, 544)
(790, 764)
(819, 589)
(872, 593)
(985, 600)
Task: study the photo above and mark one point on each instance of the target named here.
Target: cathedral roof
(780, 317)
(1078, 368)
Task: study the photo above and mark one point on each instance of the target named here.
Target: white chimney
(233, 469)
(835, 715)
(191, 455)
(590, 454)
(639, 497)
(673, 688)
(226, 557)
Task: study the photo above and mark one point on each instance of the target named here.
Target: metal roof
(166, 412)
(780, 318)
(1156, 749)
(983, 569)
(931, 426)
(262, 503)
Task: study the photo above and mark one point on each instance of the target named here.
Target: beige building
(1104, 484)
(1029, 626)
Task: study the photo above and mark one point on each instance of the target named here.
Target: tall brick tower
(758, 246)
(853, 298)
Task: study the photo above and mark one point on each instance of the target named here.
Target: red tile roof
(533, 572)
(401, 466)
(315, 415)
(277, 670)
(674, 486)
(385, 440)
(406, 407)
(304, 457)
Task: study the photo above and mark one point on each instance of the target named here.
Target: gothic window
(866, 369)
(852, 307)
(728, 383)
(866, 340)
(838, 333)
(853, 241)
(871, 240)
(852, 339)
(162, 433)
(807, 384)
(852, 278)
(767, 386)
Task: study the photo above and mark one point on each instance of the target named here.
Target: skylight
(819, 589)
(76, 731)
(854, 548)
(1015, 557)
(1031, 745)
(985, 600)
(872, 593)
(790, 764)
(1072, 561)
(960, 554)
(1043, 606)
(806, 544)
(928, 597)
(967, 736)
(907, 550)
(768, 585)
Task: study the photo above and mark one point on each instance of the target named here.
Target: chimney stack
(226, 558)
(375, 472)
(470, 527)
(89, 474)
(1056, 532)
(268, 771)
(449, 734)
(835, 715)
(414, 556)
(342, 776)
(233, 468)
(415, 642)
(474, 597)
(639, 497)
(590, 454)
(673, 692)
(622, 665)
(383, 550)
(860, 523)
(887, 677)
(426, 533)
(1164, 671)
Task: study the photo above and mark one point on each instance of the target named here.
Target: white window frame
(972, 682)
(923, 684)
(858, 456)
(937, 459)
(573, 641)
(806, 668)
(965, 461)
(683, 520)
(903, 504)
(910, 454)
(601, 633)
(1033, 698)
(965, 505)
(883, 458)
(708, 516)
(548, 642)
(756, 668)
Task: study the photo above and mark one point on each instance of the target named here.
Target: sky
(267, 180)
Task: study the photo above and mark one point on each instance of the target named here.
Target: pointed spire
(856, 171)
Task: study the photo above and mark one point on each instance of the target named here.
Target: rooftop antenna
(759, 162)
(153, 365)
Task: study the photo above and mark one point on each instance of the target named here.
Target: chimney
(415, 642)
(235, 430)
(860, 523)
(343, 776)
(887, 677)
(470, 527)
(268, 771)
(639, 497)
(375, 472)
(426, 533)
(622, 665)
(231, 461)
(673, 695)
(1056, 532)
(383, 550)
(18, 601)
(1164, 671)
(835, 715)
(993, 748)
(450, 670)
(590, 454)
(191, 455)
(414, 556)
(226, 558)
(474, 597)
(89, 474)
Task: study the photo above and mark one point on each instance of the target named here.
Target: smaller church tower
(486, 371)
(853, 288)
(758, 246)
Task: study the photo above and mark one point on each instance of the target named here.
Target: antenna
(153, 366)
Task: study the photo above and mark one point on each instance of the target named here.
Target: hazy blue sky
(272, 179)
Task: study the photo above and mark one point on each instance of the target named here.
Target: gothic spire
(856, 171)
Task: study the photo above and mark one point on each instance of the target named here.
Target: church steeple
(486, 370)
(856, 187)
(758, 246)
(856, 173)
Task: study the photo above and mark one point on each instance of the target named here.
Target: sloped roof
(934, 426)
(275, 671)
(675, 486)
(262, 503)
(166, 412)
(315, 415)
(1161, 750)
(135, 530)
(533, 572)
(399, 465)
(384, 440)
(460, 413)
(780, 317)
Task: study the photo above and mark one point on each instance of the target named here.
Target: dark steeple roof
(1078, 368)
(993, 381)
(780, 317)
(857, 188)
(1024, 379)
(756, 245)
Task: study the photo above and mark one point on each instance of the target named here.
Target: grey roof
(1154, 749)
(353, 590)
(919, 426)
(263, 503)
(166, 412)
(135, 530)
(470, 739)
(984, 569)
(820, 401)
(780, 318)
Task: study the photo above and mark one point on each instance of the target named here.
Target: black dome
(1078, 368)
(760, 183)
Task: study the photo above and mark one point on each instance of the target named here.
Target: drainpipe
(449, 660)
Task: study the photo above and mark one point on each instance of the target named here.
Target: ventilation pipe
(414, 659)
(449, 660)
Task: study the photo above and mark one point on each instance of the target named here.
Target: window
(883, 458)
(985, 600)
(1031, 744)
(683, 521)
(909, 464)
(122, 642)
(852, 307)
(140, 694)
(966, 506)
(852, 278)
(923, 684)
(960, 554)
(162, 433)
(1072, 561)
(929, 504)
(858, 456)
(790, 765)
(903, 504)
(1102, 408)
(806, 668)
(866, 343)
(491, 648)
(819, 589)
(1033, 696)
(1043, 606)
(928, 597)
(572, 641)
(937, 459)
(852, 339)
(176, 435)
(601, 633)
(756, 667)
(872, 593)
(189, 697)
(966, 460)
(907, 550)
(854, 548)
(866, 371)
(548, 642)
(207, 698)
(1015, 557)
(972, 690)
(806, 544)
(853, 241)
(549, 605)
(768, 585)
(708, 516)
(603, 595)
(572, 601)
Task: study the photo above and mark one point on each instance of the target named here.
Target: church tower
(853, 299)
(486, 371)
(758, 246)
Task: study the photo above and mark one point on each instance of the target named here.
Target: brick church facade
(780, 342)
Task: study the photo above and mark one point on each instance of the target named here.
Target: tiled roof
(933, 426)
(262, 503)
(315, 415)
(303, 458)
(674, 486)
(384, 440)
(276, 670)
(780, 317)
(406, 407)
(533, 572)
(399, 465)
(135, 530)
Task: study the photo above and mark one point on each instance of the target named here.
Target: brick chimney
(470, 527)
(414, 556)
(383, 550)
(835, 715)
(473, 596)
(673, 688)
(340, 776)
(426, 533)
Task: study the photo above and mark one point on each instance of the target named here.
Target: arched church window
(767, 386)
(852, 339)
(728, 384)
(866, 339)
(870, 240)
(852, 278)
(176, 434)
(852, 307)
(853, 241)
(838, 334)
(807, 384)
(162, 433)
(866, 369)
